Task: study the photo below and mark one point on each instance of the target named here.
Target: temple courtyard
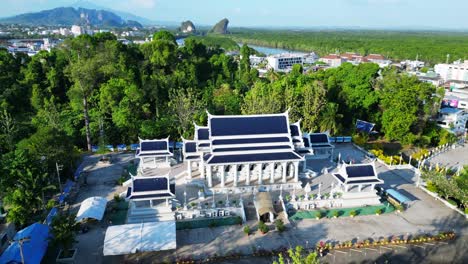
(424, 215)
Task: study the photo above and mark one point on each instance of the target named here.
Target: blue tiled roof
(190, 147)
(306, 142)
(318, 138)
(250, 148)
(149, 196)
(248, 125)
(294, 130)
(360, 171)
(204, 145)
(191, 157)
(364, 181)
(157, 154)
(150, 184)
(203, 134)
(281, 156)
(153, 145)
(250, 140)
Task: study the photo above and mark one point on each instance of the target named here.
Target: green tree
(297, 256)
(330, 118)
(63, 229)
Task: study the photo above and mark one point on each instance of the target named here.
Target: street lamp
(59, 168)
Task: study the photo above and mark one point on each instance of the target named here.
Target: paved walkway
(452, 158)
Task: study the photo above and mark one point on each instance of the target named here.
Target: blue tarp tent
(33, 249)
(363, 126)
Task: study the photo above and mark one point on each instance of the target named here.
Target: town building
(332, 60)
(76, 30)
(457, 71)
(285, 61)
(453, 119)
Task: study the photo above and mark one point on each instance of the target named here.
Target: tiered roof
(250, 139)
(190, 150)
(318, 140)
(357, 174)
(150, 148)
(147, 188)
(202, 138)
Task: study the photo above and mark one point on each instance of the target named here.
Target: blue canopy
(33, 249)
(363, 126)
(397, 196)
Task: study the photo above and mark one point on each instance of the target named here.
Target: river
(269, 51)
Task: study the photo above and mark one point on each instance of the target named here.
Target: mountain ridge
(67, 16)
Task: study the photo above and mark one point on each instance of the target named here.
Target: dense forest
(431, 47)
(93, 90)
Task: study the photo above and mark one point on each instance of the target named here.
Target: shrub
(238, 220)
(247, 230)
(352, 213)
(379, 211)
(318, 215)
(452, 202)
(51, 204)
(430, 186)
(280, 225)
(212, 224)
(263, 227)
(117, 198)
(336, 214)
(466, 210)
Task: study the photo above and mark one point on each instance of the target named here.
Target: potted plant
(336, 214)
(280, 225)
(318, 215)
(352, 213)
(63, 235)
(247, 230)
(263, 227)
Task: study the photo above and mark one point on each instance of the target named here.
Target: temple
(357, 182)
(320, 145)
(249, 150)
(153, 153)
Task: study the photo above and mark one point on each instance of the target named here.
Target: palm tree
(330, 118)
(27, 199)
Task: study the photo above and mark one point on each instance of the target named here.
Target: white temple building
(319, 144)
(245, 151)
(154, 153)
(357, 183)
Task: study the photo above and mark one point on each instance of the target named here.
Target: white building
(76, 30)
(255, 61)
(452, 118)
(412, 64)
(457, 71)
(332, 60)
(285, 61)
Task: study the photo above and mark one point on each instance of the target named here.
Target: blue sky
(281, 13)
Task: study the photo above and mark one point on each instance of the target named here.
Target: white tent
(93, 207)
(133, 238)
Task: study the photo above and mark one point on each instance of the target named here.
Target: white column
(189, 168)
(221, 168)
(260, 173)
(235, 174)
(285, 169)
(201, 169)
(346, 187)
(296, 171)
(304, 165)
(210, 178)
(272, 176)
(359, 188)
(247, 176)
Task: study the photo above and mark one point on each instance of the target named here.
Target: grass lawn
(366, 210)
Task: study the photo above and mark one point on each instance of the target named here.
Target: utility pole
(59, 168)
